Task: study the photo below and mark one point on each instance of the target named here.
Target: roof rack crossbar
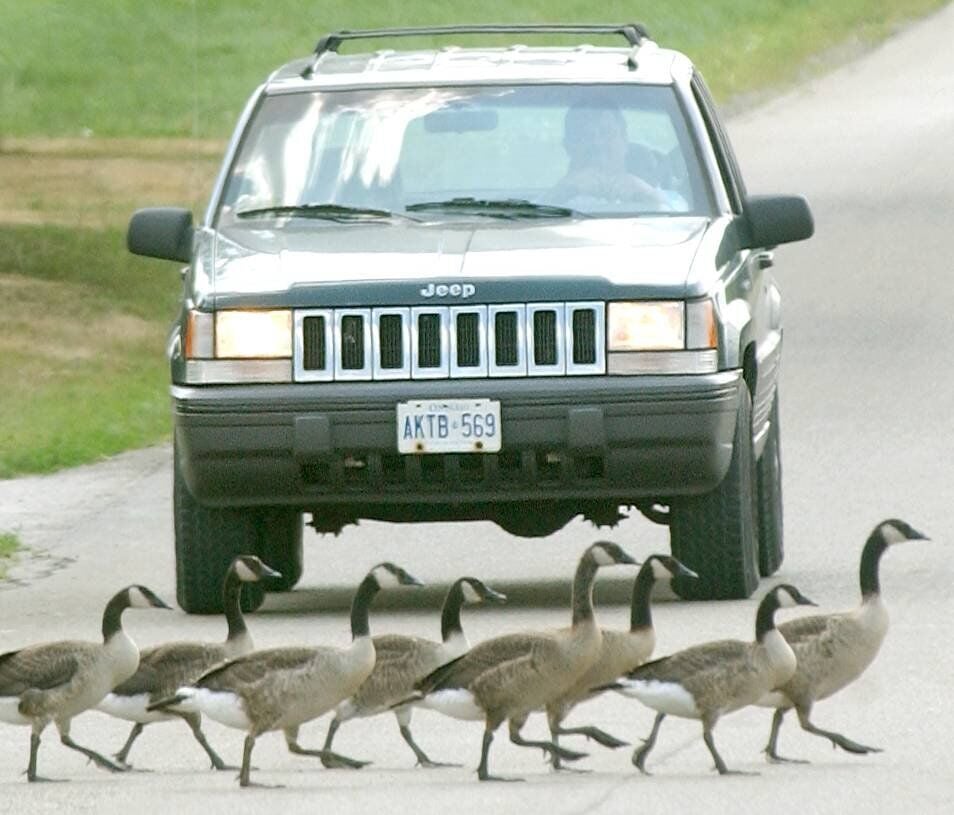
(634, 33)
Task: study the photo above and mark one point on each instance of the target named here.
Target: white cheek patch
(785, 599)
(458, 703)
(471, 595)
(660, 572)
(385, 578)
(223, 706)
(670, 698)
(245, 573)
(137, 599)
(602, 557)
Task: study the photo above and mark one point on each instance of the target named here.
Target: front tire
(715, 534)
(768, 472)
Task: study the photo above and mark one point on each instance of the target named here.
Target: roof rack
(635, 33)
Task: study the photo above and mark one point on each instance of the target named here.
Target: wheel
(280, 533)
(715, 534)
(768, 471)
(207, 540)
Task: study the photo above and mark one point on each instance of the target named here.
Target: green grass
(82, 348)
(84, 323)
(9, 545)
(186, 67)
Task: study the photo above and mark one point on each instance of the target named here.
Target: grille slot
(315, 353)
(352, 342)
(584, 336)
(468, 340)
(505, 332)
(428, 341)
(392, 341)
(432, 342)
(544, 338)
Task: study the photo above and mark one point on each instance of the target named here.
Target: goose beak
(685, 571)
(268, 571)
(411, 580)
(157, 603)
(492, 596)
(626, 559)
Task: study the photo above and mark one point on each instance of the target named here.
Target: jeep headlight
(647, 326)
(253, 334)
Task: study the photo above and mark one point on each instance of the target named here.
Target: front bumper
(624, 439)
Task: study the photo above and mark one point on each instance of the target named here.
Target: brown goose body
(53, 682)
(833, 650)
(508, 677)
(401, 661)
(708, 681)
(282, 688)
(620, 653)
(165, 668)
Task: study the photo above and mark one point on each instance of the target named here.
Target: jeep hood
(276, 256)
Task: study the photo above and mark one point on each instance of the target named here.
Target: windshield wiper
(331, 212)
(502, 208)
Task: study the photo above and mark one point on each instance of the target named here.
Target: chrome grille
(439, 342)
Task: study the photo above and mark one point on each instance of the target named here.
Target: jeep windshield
(533, 151)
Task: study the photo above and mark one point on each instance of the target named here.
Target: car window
(602, 150)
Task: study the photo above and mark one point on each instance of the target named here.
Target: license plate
(449, 426)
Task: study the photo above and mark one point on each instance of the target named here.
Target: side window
(728, 166)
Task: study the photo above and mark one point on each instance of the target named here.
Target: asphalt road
(868, 434)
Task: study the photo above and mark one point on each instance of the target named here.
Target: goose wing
(806, 628)
(712, 657)
(496, 657)
(165, 668)
(253, 668)
(40, 667)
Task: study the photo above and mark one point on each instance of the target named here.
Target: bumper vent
(437, 342)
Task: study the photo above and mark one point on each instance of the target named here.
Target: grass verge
(82, 347)
(9, 546)
(82, 351)
(127, 68)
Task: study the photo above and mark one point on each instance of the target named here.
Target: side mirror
(161, 232)
(775, 219)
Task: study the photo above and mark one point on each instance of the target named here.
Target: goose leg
(329, 759)
(403, 716)
(640, 753)
(123, 754)
(548, 747)
(195, 725)
(594, 733)
(554, 719)
(482, 773)
(31, 767)
(771, 749)
(719, 763)
(92, 755)
(245, 774)
(836, 739)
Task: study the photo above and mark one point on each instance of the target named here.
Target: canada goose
(621, 652)
(707, 681)
(507, 677)
(56, 681)
(401, 661)
(833, 650)
(282, 688)
(165, 668)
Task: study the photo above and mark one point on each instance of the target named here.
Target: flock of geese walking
(501, 679)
